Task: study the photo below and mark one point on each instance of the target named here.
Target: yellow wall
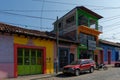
(49, 45)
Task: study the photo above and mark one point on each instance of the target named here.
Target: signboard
(91, 45)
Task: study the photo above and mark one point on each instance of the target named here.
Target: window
(70, 20)
(27, 56)
(20, 56)
(84, 38)
(33, 56)
(84, 62)
(82, 20)
(60, 26)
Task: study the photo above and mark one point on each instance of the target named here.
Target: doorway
(109, 57)
(29, 61)
(63, 58)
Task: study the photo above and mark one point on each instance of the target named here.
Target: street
(110, 74)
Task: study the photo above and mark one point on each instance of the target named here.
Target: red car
(117, 64)
(79, 66)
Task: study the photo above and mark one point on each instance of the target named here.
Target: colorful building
(26, 52)
(110, 52)
(81, 25)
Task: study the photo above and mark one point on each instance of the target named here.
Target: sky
(40, 14)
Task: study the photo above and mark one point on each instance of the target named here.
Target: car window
(75, 62)
(84, 62)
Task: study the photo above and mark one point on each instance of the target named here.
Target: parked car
(81, 65)
(117, 63)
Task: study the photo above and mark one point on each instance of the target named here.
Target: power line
(103, 7)
(42, 11)
(26, 15)
(114, 24)
(111, 18)
(107, 8)
(46, 10)
(56, 2)
(34, 10)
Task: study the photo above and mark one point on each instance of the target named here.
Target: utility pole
(57, 44)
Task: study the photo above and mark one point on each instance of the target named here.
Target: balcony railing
(100, 28)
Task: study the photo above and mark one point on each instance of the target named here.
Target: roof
(109, 43)
(85, 9)
(89, 11)
(6, 28)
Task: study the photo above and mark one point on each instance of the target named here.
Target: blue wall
(114, 52)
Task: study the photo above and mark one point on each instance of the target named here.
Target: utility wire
(107, 8)
(103, 7)
(26, 15)
(34, 10)
(42, 12)
(52, 10)
(114, 24)
(56, 2)
(109, 19)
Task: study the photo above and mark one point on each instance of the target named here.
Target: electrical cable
(26, 15)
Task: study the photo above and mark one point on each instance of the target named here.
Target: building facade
(110, 52)
(25, 52)
(81, 25)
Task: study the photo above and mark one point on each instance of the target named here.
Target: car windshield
(75, 62)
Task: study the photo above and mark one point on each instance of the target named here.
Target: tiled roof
(14, 29)
(6, 28)
(109, 43)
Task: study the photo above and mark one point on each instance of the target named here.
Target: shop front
(32, 56)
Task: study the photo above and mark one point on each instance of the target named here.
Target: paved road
(110, 74)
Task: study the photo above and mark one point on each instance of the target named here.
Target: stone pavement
(40, 76)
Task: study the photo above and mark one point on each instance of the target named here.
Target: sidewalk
(32, 77)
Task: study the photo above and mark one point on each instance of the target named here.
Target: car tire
(91, 70)
(77, 72)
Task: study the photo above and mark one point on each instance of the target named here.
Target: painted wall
(6, 55)
(49, 45)
(113, 51)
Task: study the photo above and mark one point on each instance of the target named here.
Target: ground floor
(20, 55)
(106, 56)
(84, 53)
(66, 54)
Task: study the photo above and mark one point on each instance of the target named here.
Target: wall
(113, 51)
(6, 55)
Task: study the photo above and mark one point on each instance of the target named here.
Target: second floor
(76, 17)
